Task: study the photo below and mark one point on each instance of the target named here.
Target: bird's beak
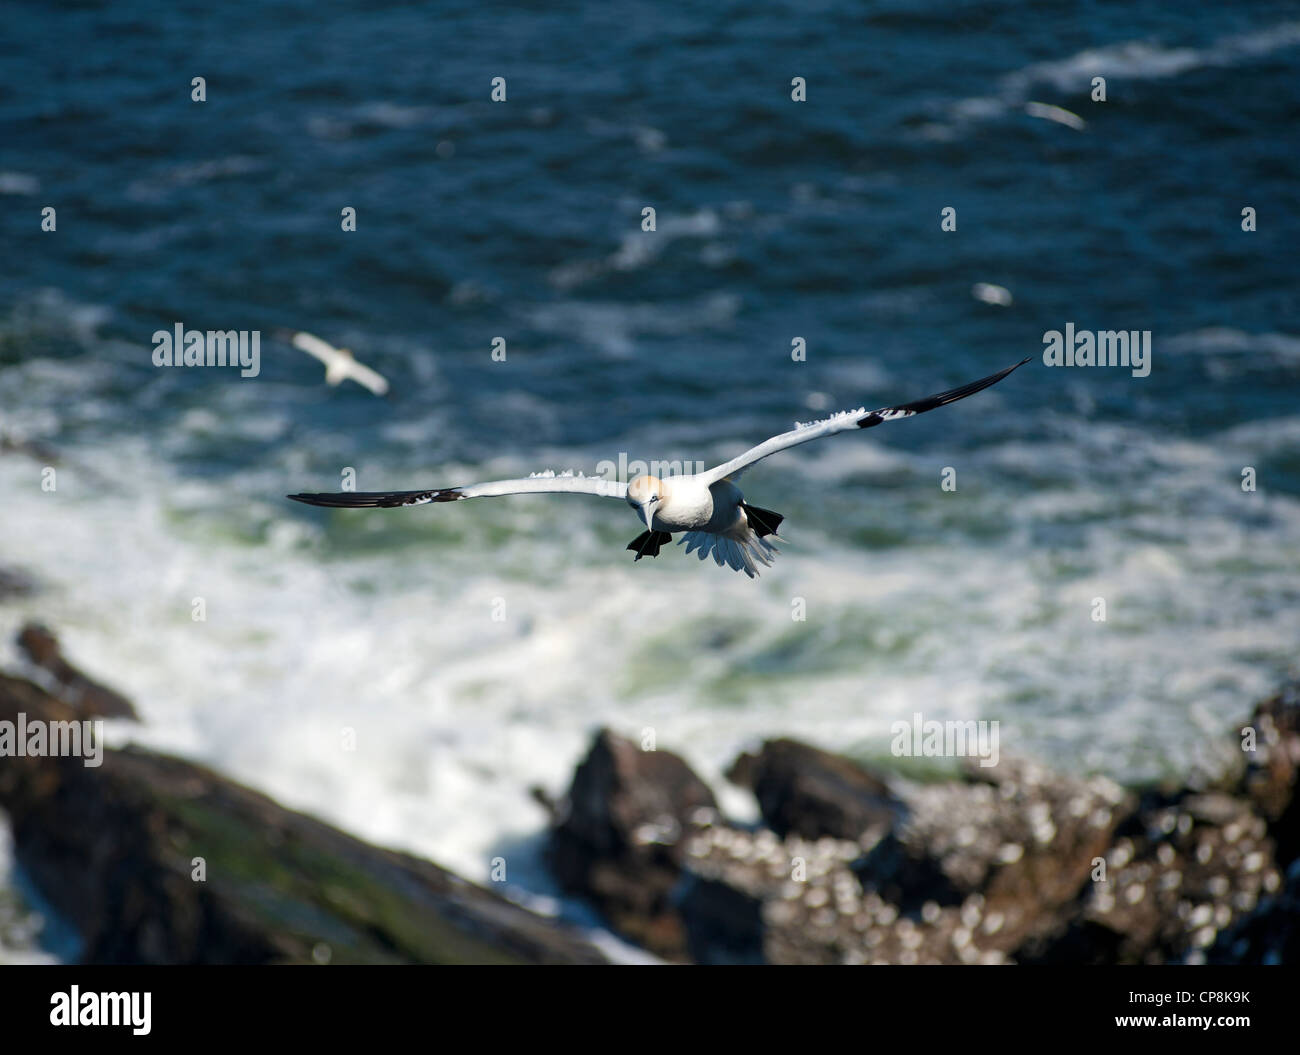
(649, 515)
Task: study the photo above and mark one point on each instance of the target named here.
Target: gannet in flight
(707, 508)
(340, 364)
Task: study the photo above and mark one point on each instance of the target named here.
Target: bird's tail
(741, 548)
(763, 521)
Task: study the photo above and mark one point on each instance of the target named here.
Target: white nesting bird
(340, 364)
(707, 509)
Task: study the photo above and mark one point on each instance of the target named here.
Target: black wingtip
(314, 500)
(346, 500)
(940, 399)
(379, 499)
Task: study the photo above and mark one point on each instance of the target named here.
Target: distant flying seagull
(991, 294)
(708, 508)
(340, 364)
(1059, 114)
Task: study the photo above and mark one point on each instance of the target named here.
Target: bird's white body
(340, 364)
(711, 514)
(690, 503)
(707, 509)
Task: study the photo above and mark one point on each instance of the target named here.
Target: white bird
(340, 364)
(988, 293)
(1059, 114)
(707, 508)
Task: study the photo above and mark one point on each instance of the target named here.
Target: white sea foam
(613, 328)
(1142, 60)
(19, 183)
(639, 248)
(1231, 351)
(341, 123)
(1132, 60)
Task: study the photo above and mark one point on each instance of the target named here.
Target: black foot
(763, 521)
(647, 543)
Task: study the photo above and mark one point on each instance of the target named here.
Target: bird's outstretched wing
(538, 483)
(315, 347)
(339, 364)
(361, 374)
(849, 420)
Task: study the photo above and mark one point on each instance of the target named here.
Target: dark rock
(88, 697)
(724, 924)
(1272, 772)
(1082, 943)
(1193, 875)
(114, 849)
(1020, 837)
(975, 871)
(1003, 867)
(905, 875)
(617, 837)
(811, 908)
(1182, 868)
(803, 790)
(1269, 934)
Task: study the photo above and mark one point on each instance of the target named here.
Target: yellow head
(644, 495)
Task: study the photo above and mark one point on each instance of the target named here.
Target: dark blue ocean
(471, 649)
